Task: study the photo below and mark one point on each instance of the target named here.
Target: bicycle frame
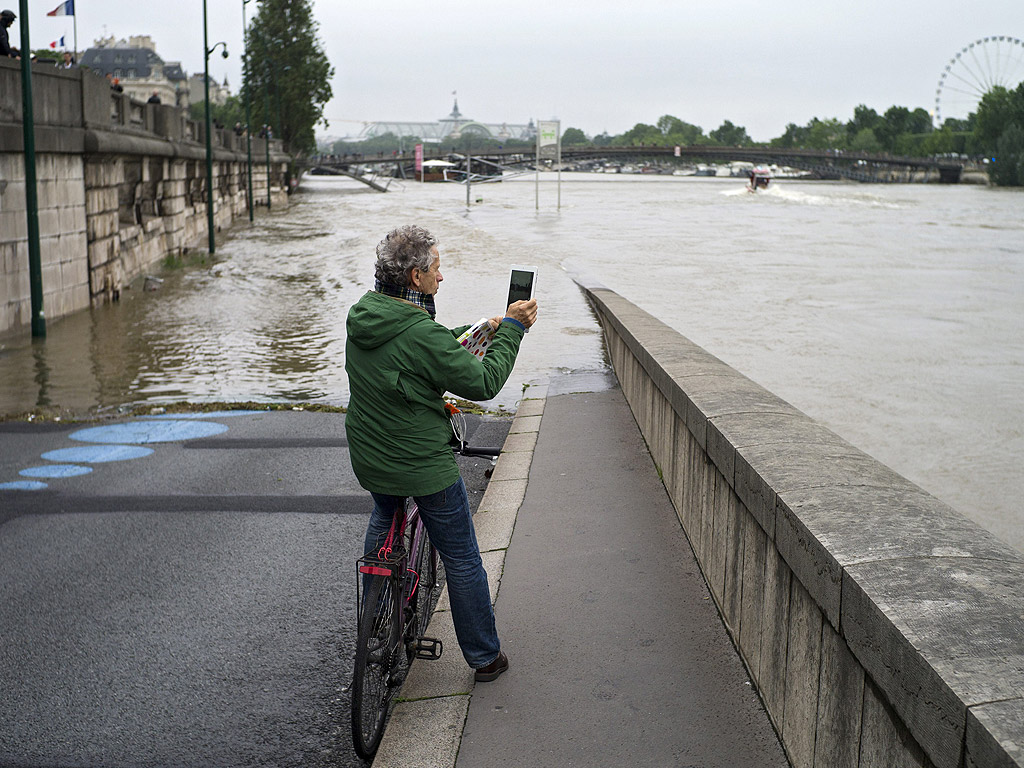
(392, 559)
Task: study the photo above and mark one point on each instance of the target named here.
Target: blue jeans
(449, 525)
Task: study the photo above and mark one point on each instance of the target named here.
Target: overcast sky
(600, 65)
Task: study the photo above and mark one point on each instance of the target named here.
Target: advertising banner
(419, 158)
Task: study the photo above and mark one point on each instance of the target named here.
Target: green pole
(266, 114)
(28, 126)
(248, 115)
(211, 242)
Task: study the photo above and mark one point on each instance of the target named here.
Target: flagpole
(75, 23)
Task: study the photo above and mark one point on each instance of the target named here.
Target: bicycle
(394, 608)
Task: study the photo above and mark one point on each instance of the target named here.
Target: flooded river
(893, 314)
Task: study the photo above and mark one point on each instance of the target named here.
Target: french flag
(67, 8)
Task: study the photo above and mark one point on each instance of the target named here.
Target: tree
(1008, 168)
(227, 114)
(574, 137)
(639, 134)
(825, 134)
(863, 118)
(287, 75)
(997, 110)
(795, 136)
(730, 135)
(865, 141)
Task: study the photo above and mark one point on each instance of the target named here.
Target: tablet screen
(520, 286)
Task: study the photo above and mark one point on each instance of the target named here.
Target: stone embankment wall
(880, 626)
(120, 185)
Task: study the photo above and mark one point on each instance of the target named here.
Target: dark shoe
(492, 670)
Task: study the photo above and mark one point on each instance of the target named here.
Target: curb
(426, 724)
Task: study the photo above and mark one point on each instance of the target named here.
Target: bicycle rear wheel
(425, 565)
(376, 676)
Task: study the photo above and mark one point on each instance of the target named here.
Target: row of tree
(994, 131)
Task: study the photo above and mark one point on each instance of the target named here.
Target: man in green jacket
(400, 364)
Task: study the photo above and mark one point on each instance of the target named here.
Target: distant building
(139, 69)
(197, 95)
(449, 128)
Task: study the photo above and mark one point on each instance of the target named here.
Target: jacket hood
(376, 319)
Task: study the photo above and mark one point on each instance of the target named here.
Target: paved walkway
(618, 656)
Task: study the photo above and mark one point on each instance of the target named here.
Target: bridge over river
(824, 164)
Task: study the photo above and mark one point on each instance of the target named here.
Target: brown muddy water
(892, 314)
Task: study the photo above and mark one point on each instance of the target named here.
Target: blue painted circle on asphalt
(149, 431)
(23, 485)
(97, 454)
(211, 415)
(56, 470)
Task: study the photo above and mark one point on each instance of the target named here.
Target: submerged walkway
(618, 656)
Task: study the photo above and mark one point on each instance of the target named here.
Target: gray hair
(404, 248)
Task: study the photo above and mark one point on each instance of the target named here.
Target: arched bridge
(825, 164)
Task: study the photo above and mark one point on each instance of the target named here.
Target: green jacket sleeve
(453, 369)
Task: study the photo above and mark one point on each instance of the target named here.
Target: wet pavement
(186, 597)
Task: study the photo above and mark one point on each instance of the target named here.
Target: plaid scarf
(424, 300)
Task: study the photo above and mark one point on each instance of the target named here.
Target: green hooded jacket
(400, 363)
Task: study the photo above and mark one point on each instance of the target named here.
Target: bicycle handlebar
(467, 450)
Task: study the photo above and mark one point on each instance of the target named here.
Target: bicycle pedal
(429, 648)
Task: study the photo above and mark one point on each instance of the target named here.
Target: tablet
(522, 283)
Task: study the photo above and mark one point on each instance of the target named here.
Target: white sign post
(548, 135)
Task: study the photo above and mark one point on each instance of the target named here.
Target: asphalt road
(191, 607)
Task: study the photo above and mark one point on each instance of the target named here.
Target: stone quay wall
(121, 185)
(880, 626)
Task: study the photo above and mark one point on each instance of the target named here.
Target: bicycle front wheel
(376, 676)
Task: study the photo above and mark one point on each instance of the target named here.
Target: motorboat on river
(760, 178)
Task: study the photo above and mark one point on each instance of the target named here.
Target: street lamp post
(248, 116)
(35, 267)
(211, 241)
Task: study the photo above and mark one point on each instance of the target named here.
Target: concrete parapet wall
(881, 627)
(120, 186)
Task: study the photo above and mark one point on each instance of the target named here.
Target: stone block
(520, 442)
(821, 530)
(733, 541)
(447, 676)
(756, 494)
(423, 734)
(72, 219)
(531, 407)
(49, 222)
(765, 471)
(755, 552)
(494, 528)
(995, 735)
(12, 198)
(771, 675)
(525, 424)
(504, 494)
(803, 666)
(13, 226)
(840, 702)
(513, 466)
(709, 483)
(938, 635)
(675, 475)
(715, 573)
(884, 740)
(12, 167)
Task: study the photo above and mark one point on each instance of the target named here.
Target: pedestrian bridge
(826, 164)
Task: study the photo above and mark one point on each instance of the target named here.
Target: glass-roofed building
(447, 128)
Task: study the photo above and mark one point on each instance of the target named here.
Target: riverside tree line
(994, 131)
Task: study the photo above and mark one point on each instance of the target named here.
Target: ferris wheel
(974, 71)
